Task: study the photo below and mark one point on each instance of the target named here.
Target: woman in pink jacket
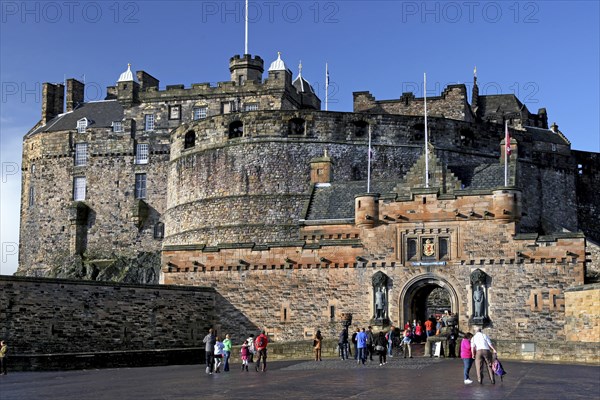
(467, 356)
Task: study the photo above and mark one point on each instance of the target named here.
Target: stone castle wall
(45, 316)
(582, 319)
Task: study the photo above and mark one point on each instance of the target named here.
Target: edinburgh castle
(249, 188)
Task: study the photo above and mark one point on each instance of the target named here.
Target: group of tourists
(366, 344)
(218, 353)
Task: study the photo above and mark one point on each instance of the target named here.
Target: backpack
(260, 342)
(497, 368)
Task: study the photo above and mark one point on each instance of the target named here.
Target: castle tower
(278, 71)
(366, 210)
(246, 68)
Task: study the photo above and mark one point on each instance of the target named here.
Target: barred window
(80, 154)
(149, 122)
(117, 126)
(142, 153)
(251, 107)
(140, 186)
(200, 112)
(82, 125)
(79, 187)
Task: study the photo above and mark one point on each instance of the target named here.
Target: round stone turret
(366, 210)
(507, 204)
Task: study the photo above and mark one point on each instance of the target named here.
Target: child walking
(245, 353)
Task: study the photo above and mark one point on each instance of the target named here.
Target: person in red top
(428, 327)
(260, 344)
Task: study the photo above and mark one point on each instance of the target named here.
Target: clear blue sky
(545, 52)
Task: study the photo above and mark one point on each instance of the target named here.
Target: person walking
(428, 327)
(3, 361)
(209, 348)
(244, 355)
(406, 339)
(467, 356)
(480, 350)
(361, 344)
(260, 345)
(381, 348)
(390, 338)
(251, 349)
(218, 354)
(226, 352)
(343, 343)
(355, 343)
(317, 339)
(370, 342)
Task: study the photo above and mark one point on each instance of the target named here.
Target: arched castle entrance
(425, 295)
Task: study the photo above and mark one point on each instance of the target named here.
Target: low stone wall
(64, 324)
(569, 352)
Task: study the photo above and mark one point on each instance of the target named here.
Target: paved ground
(417, 378)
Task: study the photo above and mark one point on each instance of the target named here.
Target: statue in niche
(380, 295)
(478, 281)
(379, 304)
(479, 302)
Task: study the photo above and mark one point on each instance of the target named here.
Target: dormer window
(117, 126)
(82, 125)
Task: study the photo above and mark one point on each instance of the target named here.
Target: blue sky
(545, 52)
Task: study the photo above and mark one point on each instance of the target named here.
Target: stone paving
(417, 378)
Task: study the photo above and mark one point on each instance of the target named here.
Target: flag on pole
(507, 138)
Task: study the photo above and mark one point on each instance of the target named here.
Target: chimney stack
(75, 94)
(53, 96)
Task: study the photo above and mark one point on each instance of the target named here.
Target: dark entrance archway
(425, 295)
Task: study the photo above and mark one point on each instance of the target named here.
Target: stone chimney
(53, 96)
(147, 81)
(75, 94)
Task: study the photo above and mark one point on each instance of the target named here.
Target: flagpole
(326, 87)
(369, 164)
(246, 41)
(426, 133)
(506, 152)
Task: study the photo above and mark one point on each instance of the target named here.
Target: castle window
(251, 107)
(175, 112)
(227, 107)
(418, 132)
(149, 122)
(444, 246)
(32, 169)
(140, 186)
(236, 129)
(159, 230)
(31, 196)
(411, 249)
(190, 140)
(117, 126)
(82, 125)
(199, 112)
(361, 128)
(296, 126)
(80, 154)
(79, 187)
(142, 153)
